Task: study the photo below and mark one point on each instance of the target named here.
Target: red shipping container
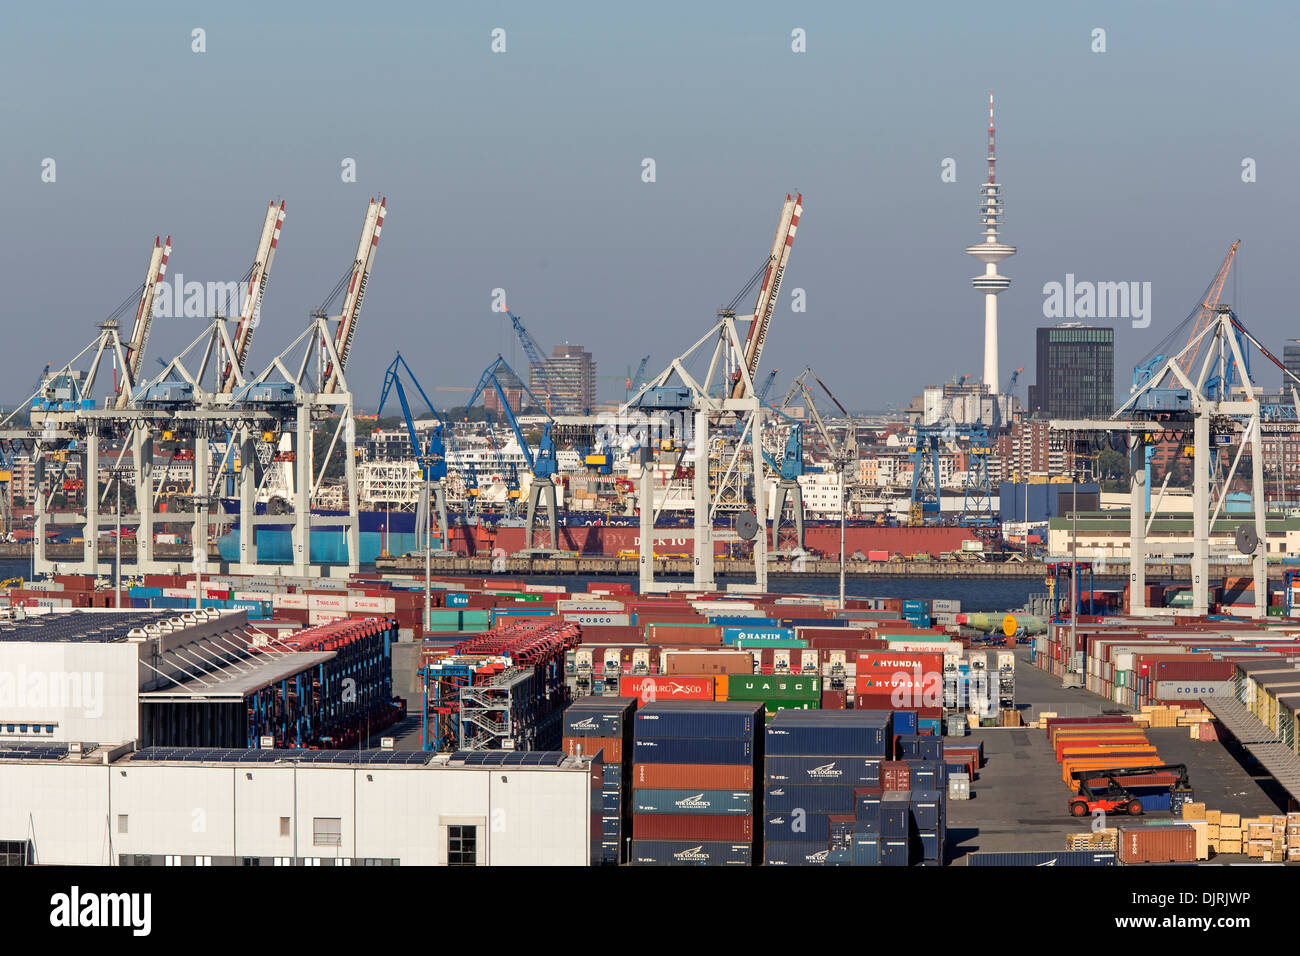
(667, 688)
(1176, 844)
(895, 775)
(613, 747)
(834, 699)
(692, 826)
(677, 776)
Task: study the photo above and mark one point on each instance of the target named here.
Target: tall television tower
(991, 252)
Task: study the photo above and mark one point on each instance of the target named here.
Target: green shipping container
(782, 642)
(774, 687)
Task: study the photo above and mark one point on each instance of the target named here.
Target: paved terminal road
(1019, 801)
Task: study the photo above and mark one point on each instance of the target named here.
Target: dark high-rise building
(1291, 359)
(1076, 373)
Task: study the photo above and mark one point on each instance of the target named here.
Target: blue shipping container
(824, 739)
(781, 797)
(693, 801)
(865, 850)
(905, 722)
(688, 853)
(735, 720)
(1043, 858)
(687, 750)
(895, 851)
(759, 632)
(808, 853)
(796, 827)
(927, 809)
(827, 771)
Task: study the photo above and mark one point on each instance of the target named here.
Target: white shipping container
(588, 604)
(328, 602)
(544, 588)
(598, 618)
(360, 603)
(324, 617)
(179, 592)
(293, 601)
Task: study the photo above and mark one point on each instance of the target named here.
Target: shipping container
(690, 853)
(693, 801)
(668, 776)
(716, 720)
(1171, 844)
(812, 799)
(825, 771)
(1042, 858)
(727, 828)
(686, 750)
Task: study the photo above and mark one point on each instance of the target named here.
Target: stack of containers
(821, 768)
(776, 692)
(917, 612)
(694, 790)
(605, 724)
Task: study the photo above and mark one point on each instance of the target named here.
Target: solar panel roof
(225, 755)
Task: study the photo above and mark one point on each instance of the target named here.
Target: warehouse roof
(101, 627)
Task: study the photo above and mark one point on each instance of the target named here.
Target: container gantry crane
(431, 455)
(768, 291)
(253, 293)
(541, 463)
(355, 285)
(143, 321)
(536, 360)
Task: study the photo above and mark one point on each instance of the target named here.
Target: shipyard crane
(432, 455)
(767, 385)
(534, 353)
(634, 380)
(789, 470)
(353, 289)
(253, 293)
(998, 417)
(143, 320)
(542, 462)
(772, 273)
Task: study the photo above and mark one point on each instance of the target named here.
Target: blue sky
(522, 171)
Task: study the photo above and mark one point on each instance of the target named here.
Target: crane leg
(534, 493)
(777, 515)
(440, 501)
(798, 514)
(552, 516)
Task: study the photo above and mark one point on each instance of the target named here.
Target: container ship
(587, 534)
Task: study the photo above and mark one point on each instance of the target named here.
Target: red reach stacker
(1108, 790)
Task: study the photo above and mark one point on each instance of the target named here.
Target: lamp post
(118, 474)
(426, 464)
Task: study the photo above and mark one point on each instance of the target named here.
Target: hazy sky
(523, 170)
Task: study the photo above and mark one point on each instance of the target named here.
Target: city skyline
(594, 254)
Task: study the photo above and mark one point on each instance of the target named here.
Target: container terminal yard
(345, 640)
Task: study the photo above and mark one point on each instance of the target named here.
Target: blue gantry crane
(431, 454)
(535, 358)
(541, 461)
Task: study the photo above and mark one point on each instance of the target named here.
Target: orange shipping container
(1176, 844)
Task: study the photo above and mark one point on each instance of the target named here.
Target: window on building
(121, 823)
(252, 861)
(327, 831)
(284, 826)
(462, 846)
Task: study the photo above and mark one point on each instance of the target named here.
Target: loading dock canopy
(1264, 745)
(239, 679)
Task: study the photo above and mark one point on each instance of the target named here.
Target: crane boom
(144, 318)
(769, 290)
(252, 305)
(533, 351)
(1209, 306)
(356, 288)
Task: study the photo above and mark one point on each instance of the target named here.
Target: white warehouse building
(165, 807)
